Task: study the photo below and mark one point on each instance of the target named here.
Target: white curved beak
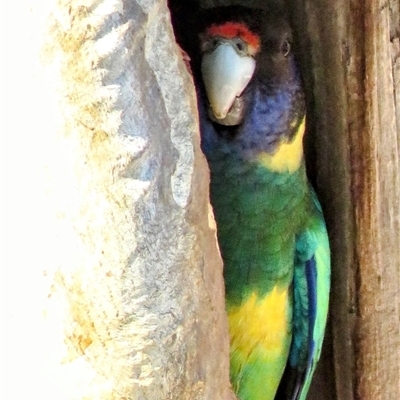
(225, 74)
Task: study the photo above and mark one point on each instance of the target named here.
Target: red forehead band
(230, 30)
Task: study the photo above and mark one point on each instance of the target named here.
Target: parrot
(270, 227)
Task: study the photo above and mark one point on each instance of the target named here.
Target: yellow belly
(260, 341)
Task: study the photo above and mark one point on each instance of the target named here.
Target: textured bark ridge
(122, 287)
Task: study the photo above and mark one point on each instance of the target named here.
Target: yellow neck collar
(288, 156)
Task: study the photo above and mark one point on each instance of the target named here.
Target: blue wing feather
(311, 276)
(310, 305)
(308, 341)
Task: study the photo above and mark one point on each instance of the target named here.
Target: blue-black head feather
(274, 101)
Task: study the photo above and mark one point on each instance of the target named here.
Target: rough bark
(377, 203)
(111, 277)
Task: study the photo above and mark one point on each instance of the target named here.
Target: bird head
(239, 47)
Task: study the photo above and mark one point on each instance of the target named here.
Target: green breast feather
(276, 268)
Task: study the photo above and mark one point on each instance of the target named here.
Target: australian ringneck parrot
(270, 227)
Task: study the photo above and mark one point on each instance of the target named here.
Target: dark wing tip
(297, 377)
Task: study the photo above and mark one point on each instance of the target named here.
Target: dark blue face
(273, 102)
(273, 111)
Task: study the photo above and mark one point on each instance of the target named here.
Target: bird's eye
(240, 46)
(285, 47)
(214, 43)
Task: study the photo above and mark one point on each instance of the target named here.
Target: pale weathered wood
(378, 210)
(111, 280)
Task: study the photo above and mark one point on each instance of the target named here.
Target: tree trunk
(111, 278)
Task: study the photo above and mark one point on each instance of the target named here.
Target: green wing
(310, 305)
